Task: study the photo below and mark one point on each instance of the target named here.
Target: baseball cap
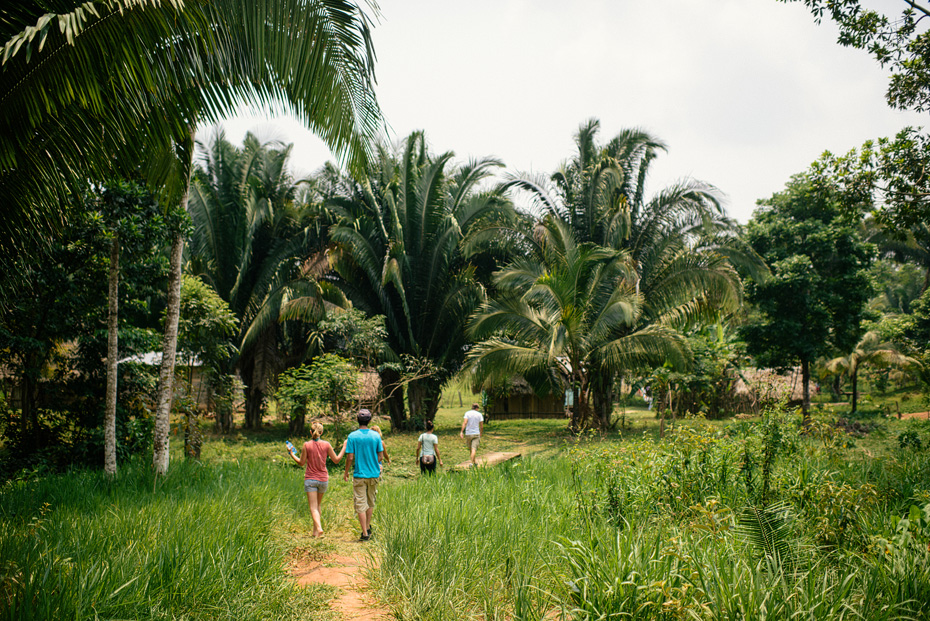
(364, 415)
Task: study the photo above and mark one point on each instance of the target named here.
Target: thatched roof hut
(369, 391)
(758, 387)
(518, 400)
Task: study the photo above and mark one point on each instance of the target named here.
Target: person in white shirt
(428, 450)
(472, 428)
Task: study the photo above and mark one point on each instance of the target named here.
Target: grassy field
(625, 524)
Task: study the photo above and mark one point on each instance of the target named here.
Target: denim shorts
(312, 485)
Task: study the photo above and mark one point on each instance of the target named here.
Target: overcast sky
(744, 92)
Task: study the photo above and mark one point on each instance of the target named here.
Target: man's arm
(462, 432)
(481, 428)
(350, 459)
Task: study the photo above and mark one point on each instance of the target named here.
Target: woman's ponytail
(317, 428)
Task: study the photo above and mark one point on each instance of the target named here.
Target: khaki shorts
(472, 442)
(364, 492)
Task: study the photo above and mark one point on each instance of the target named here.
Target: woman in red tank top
(316, 478)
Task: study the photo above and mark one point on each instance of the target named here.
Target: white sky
(744, 92)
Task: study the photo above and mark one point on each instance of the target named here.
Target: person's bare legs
(364, 520)
(474, 449)
(315, 500)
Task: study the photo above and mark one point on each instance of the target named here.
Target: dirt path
(487, 459)
(916, 415)
(346, 568)
(347, 573)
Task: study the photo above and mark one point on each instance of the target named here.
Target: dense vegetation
(747, 521)
(717, 520)
(400, 273)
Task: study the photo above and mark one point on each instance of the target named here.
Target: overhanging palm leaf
(90, 80)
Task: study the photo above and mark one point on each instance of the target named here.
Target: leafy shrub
(909, 439)
(329, 380)
(837, 512)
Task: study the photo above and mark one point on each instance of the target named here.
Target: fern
(768, 530)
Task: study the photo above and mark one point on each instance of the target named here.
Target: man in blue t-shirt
(364, 453)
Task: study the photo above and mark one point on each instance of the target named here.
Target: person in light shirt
(472, 429)
(428, 450)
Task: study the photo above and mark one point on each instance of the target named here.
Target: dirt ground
(353, 603)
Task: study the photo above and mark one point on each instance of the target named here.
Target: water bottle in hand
(291, 448)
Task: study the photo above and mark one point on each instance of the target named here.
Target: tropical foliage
(819, 286)
(564, 316)
(258, 235)
(85, 81)
(869, 351)
(397, 253)
(679, 245)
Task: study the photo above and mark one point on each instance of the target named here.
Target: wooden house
(519, 401)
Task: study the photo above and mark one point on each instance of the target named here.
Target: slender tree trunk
(224, 398)
(169, 352)
(854, 376)
(806, 391)
(254, 401)
(28, 406)
(109, 418)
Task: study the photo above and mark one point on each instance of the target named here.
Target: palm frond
(93, 91)
(769, 531)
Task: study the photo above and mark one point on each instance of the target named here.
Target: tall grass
(475, 544)
(200, 544)
(645, 530)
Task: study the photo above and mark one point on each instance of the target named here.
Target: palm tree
(253, 239)
(102, 85)
(680, 242)
(566, 316)
(869, 351)
(397, 252)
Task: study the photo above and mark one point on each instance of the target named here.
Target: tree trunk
(254, 403)
(169, 352)
(854, 376)
(806, 391)
(423, 398)
(393, 392)
(193, 437)
(298, 420)
(27, 400)
(257, 365)
(581, 413)
(109, 417)
(223, 399)
(603, 398)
